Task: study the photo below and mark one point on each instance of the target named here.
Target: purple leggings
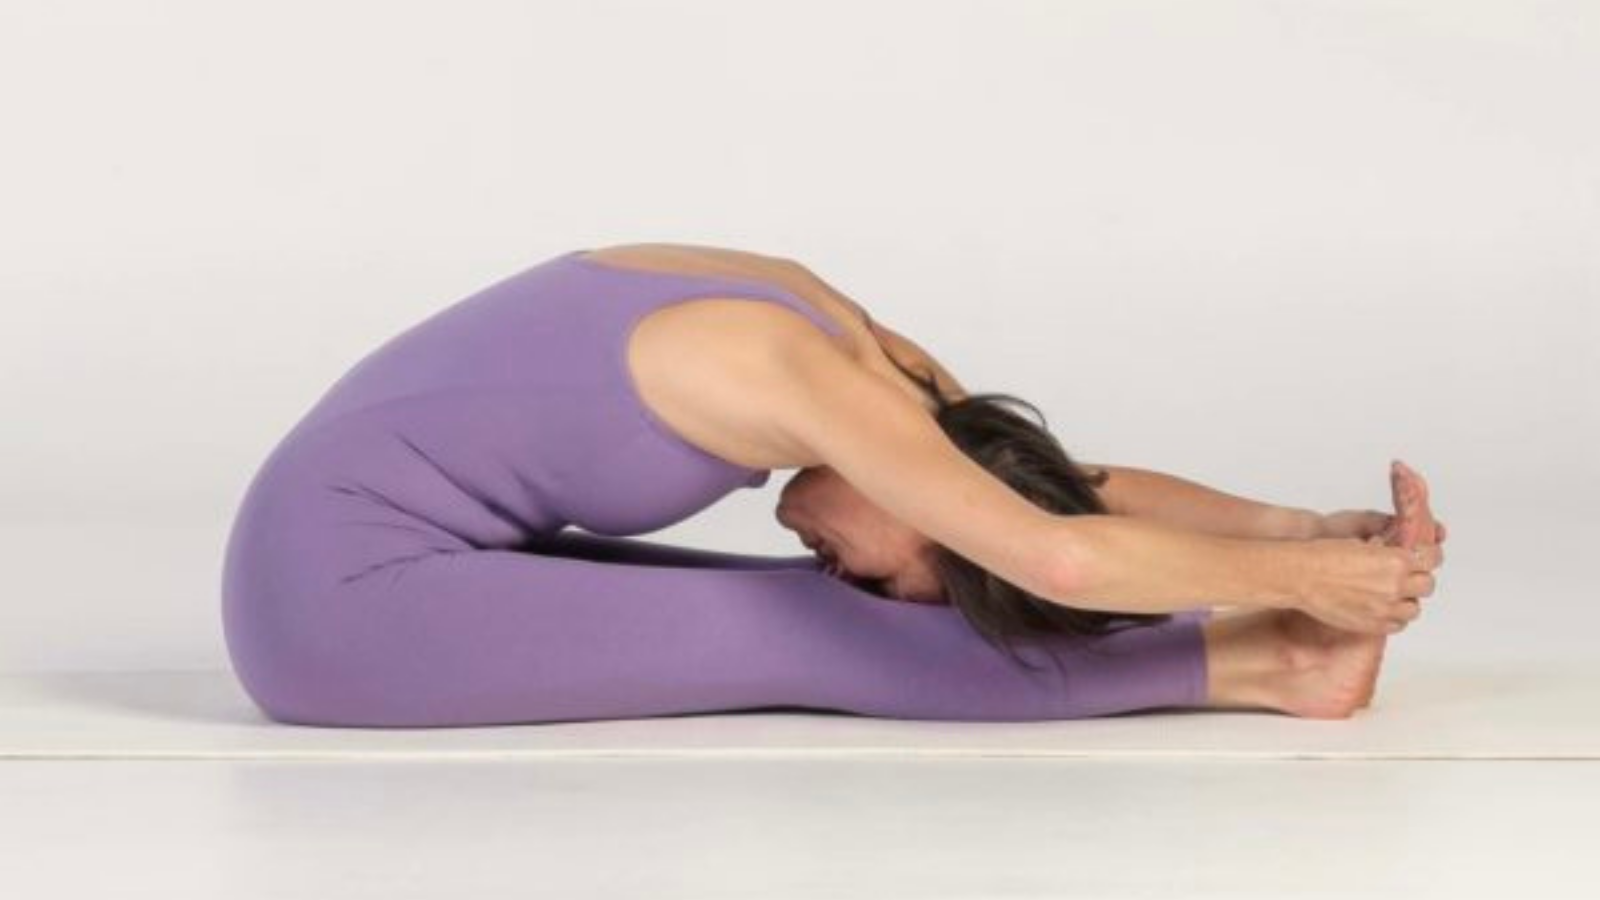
(638, 629)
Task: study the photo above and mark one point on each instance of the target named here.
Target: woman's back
(510, 414)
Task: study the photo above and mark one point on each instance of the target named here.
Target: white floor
(1459, 782)
(1476, 773)
(869, 828)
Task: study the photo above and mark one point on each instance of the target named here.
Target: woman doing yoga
(442, 539)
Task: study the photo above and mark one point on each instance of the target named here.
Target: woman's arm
(1143, 565)
(1129, 491)
(821, 407)
(1123, 563)
(1186, 504)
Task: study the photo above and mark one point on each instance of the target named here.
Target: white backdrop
(1264, 245)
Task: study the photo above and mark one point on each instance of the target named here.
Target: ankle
(1247, 659)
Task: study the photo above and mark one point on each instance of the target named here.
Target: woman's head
(861, 542)
(877, 552)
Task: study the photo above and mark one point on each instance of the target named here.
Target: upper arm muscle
(830, 408)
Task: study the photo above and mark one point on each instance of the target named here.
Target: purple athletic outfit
(400, 557)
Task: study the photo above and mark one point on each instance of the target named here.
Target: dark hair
(1029, 459)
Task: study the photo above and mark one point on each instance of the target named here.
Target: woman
(401, 558)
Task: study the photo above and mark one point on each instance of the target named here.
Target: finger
(1405, 562)
(1404, 610)
(1415, 558)
(1402, 619)
(1426, 557)
(1419, 584)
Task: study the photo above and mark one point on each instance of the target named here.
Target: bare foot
(1328, 673)
(1293, 662)
(1413, 518)
(1288, 661)
(1333, 672)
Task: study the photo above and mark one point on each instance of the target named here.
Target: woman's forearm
(1186, 504)
(1130, 564)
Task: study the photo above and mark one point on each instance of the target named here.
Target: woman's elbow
(1072, 559)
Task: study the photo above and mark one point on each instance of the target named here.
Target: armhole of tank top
(734, 288)
(753, 477)
(759, 477)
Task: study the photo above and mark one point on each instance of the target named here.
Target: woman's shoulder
(870, 341)
(779, 272)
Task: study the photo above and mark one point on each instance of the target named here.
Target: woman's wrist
(1287, 523)
(1283, 570)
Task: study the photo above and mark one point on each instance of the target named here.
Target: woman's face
(861, 541)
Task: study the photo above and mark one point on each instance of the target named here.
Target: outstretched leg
(484, 637)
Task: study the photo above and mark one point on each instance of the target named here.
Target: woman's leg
(484, 637)
(1287, 661)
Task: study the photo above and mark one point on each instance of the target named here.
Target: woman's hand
(1365, 585)
(1362, 524)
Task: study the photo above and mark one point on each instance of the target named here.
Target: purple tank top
(511, 414)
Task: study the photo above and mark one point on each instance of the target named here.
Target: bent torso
(693, 326)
